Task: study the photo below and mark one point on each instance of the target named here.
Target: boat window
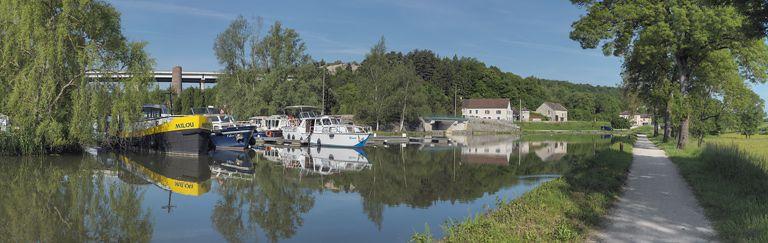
(151, 112)
(335, 121)
(226, 119)
(326, 121)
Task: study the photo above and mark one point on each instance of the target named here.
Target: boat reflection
(231, 164)
(318, 160)
(182, 175)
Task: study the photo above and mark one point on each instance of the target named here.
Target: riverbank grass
(562, 126)
(564, 209)
(729, 176)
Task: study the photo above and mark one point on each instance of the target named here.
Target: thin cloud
(175, 9)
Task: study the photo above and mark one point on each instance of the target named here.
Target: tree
(264, 73)
(750, 115)
(47, 48)
(375, 72)
(684, 33)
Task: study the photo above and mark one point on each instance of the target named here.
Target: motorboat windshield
(301, 112)
(206, 111)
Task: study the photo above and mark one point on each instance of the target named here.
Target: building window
(498, 112)
(487, 112)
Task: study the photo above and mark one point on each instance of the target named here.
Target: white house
(496, 109)
(636, 120)
(524, 116)
(555, 111)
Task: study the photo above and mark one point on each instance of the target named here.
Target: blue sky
(529, 38)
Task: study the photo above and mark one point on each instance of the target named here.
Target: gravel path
(657, 205)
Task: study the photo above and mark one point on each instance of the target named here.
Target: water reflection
(181, 175)
(68, 199)
(318, 160)
(278, 193)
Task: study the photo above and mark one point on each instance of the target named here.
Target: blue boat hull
(235, 137)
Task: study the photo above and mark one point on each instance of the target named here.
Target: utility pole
(454, 99)
(323, 111)
(520, 110)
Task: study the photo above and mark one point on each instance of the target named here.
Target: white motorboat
(307, 126)
(269, 126)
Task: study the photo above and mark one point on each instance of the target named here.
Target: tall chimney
(176, 80)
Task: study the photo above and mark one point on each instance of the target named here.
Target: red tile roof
(485, 103)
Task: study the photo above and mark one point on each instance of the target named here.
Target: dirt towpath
(657, 205)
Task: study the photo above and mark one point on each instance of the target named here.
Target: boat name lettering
(184, 185)
(185, 125)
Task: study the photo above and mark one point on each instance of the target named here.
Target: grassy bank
(563, 209)
(729, 175)
(571, 125)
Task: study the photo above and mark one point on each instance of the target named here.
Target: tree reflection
(274, 201)
(70, 200)
(275, 198)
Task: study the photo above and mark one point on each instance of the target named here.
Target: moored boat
(158, 130)
(226, 133)
(307, 126)
(269, 128)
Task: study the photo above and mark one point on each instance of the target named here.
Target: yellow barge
(184, 135)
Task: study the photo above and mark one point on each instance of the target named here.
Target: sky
(528, 38)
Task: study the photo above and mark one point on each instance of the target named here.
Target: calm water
(377, 194)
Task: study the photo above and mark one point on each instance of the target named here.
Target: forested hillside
(388, 90)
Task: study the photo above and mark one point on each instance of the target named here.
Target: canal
(376, 194)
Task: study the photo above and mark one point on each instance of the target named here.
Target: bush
(620, 123)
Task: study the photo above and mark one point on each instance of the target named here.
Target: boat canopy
(210, 110)
(301, 111)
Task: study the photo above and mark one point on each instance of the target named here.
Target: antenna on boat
(169, 206)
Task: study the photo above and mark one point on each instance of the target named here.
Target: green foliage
(264, 74)
(563, 209)
(193, 98)
(620, 123)
(46, 48)
(677, 52)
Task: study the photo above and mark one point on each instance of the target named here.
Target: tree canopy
(46, 50)
(677, 52)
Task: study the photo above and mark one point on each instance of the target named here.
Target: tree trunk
(405, 103)
(667, 126)
(683, 73)
(655, 125)
(402, 116)
(682, 137)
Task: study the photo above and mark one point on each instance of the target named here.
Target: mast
(322, 112)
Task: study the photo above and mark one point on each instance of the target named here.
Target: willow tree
(683, 33)
(47, 48)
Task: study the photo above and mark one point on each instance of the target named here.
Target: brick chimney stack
(176, 80)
